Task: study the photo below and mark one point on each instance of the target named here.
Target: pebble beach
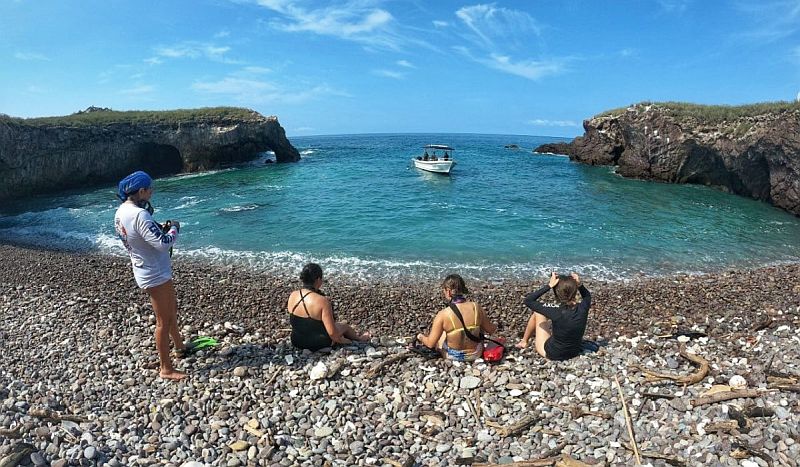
(79, 385)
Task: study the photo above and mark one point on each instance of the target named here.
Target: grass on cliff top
(713, 113)
(107, 116)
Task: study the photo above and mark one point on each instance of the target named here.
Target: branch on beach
(726, 396)
(671, 460)
(628, 422)
(724, 426)
(558, 461)
(515, 428)
(577, 413)
(378, 367)
(55, 417)
(691, 378)
(11, 433)
(785, 387)
(741, 451)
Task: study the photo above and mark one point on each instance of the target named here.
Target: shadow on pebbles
(79, 386)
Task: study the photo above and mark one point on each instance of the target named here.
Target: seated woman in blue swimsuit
(311, 315)
(448, 334)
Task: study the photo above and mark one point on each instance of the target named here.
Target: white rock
(515, 392)
(289, 359)
(748, 463)
(323, 431)
(469, 382)
(737, 382)
(683, 339)
(318, 372)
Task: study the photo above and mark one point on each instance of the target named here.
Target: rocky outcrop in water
(101, 146)
(755, 155)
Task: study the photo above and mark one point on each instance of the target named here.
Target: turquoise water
(356, 205)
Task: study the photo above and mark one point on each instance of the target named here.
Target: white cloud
(139, 90)
(192, 50)
(496, 32)
(772, 20)
(254, 91)
(31, 56)
(221, 34)
(354, 20)
(559, 123)
(405, 64)
(529, 69)
(490, 23)
(674, 6)
(256, 70)
(389, 74)
(440, 24)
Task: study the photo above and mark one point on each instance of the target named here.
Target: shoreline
(77, 336)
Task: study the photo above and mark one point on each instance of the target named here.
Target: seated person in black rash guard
(558, 331)
(311, 315)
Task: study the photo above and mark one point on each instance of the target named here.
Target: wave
(199, 174)
(247, 207)
(307, 152)
(188, 201)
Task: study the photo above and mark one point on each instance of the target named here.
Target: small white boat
(437, 162)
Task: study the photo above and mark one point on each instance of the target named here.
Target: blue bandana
(133, 183)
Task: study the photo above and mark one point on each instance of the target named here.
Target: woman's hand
(553, 280)
(421, 338)
(577, 279)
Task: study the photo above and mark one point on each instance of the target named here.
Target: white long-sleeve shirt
(146, 243)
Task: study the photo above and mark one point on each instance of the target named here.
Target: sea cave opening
(158, 159)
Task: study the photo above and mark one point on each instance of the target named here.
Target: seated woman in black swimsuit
(313, 323)
(558, 331)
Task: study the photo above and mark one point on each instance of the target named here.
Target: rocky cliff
(102, 146)
(750, 151)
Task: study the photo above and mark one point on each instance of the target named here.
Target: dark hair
(566, 289)
(311, 272)
(456, 284)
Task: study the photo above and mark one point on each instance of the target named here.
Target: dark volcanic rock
(554, 148)
(755, 156)
(40, 158)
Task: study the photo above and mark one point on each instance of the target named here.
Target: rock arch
(157, 159)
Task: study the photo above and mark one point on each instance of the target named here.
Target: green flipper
(199, 343)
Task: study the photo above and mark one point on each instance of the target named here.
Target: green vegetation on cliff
(712, 113)
(95, 116)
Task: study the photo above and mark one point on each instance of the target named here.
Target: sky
(534, 67)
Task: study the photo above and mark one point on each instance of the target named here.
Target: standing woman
(149, 248)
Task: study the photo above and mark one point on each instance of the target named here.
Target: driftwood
(671, 460)
(725, 426)
(628, 422)
(742, 451)
(559, 461)
(18, 451)
(577, 413)
(785, 387)
(764, 324)
(655, 395)
(691, 378)
(726, 396)
(516, 428)
(378, 368)
(56, 417)
(409, 462)
(10, 433)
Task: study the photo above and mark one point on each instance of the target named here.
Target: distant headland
(750, 150)
(99, 145)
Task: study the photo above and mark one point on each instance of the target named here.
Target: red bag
(493, 350)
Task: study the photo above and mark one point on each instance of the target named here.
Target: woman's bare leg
(347, 331)
(164, 303)
(544, 329)
(530, 331)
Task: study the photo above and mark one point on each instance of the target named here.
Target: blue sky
(362, 66)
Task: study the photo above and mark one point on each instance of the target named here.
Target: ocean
(356, 205)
